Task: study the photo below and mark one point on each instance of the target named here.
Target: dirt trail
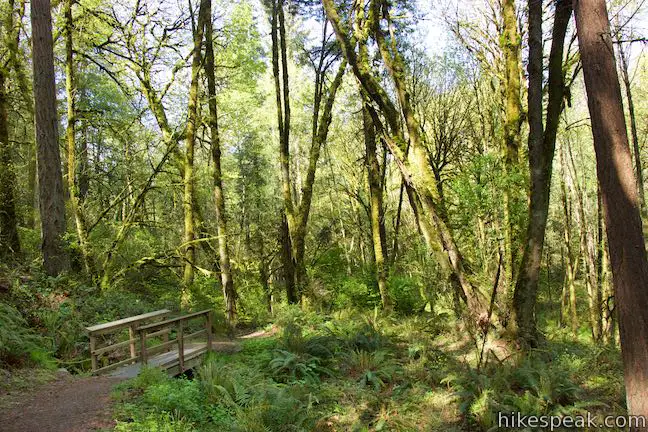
(68, 404)
(72, 404)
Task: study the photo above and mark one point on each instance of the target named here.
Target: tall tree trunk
(377, 216)
(227, 279)
(321, 126)
(50, 179)
(625, 75)
(587, 252)
(568, 304)
(9, 240)
(277, 31)
(542, 145)
(70, 134)
(189, 180)
(510, 41)
(620, 197)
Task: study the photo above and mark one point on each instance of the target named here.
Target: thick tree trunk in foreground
(620, 198)
(542, 145)
(227, 281)
(377, 217)
(50, 179)
(70, 134)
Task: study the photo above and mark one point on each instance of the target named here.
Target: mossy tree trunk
(376, 209)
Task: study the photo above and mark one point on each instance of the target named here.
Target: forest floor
(39, 401)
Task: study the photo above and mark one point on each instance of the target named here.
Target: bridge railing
(181, 326)
(100, 332)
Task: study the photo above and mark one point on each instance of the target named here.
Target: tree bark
(568, 304)
(511, 44)
(377, 216)
(283, 120)
(189, 180)
(620, 197)
(227, 280)
(542, 145)
(50, 179)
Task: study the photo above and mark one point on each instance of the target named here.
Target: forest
(393, 215)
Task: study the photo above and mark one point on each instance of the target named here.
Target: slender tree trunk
(189, 180)
(625, 75)
(620, 197)
(377, 216)
(287, 261)
(70, 134)
(571, 269)
(587, 251)
(283, 120)
(320, 130)
(9, 240)
(50, 179)
(542, 145)
(227, 280)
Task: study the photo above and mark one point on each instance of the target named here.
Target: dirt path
(68, 404)
(72, 404)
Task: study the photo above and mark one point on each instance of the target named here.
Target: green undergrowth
(355, 371)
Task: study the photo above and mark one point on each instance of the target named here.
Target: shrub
(532, 388)
(20, 345)
(291, 367)
(178, 396)
(406, 294)
(157, 422)
(372, 368)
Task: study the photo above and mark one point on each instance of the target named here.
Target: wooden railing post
(180, 338)
(210, 321)
(131, 336)
(93, 356)
(143, 357)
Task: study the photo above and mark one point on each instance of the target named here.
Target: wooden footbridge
(173, 344)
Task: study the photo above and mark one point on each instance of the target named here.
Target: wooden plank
(210, 324)
(159, 348)
(143, 354)
(195, 334)
(115, 365)
(125, 322)
(113, 347)
(181, 346)
(189, 354)
(173, 320)
(99, 351)
(93, 356)
(131, 340)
